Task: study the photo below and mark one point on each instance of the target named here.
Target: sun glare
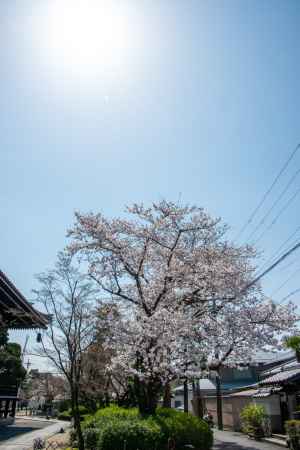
(86, 37)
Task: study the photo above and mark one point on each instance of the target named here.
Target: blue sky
(202, 105)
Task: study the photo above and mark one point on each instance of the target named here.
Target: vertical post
(186, 396)
(13, 409)
(199, 399)
(6, 408)
(219, 400)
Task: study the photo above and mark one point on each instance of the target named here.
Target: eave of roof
(25, 316)
(280, 378)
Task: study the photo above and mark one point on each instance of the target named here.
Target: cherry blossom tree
(166, 264)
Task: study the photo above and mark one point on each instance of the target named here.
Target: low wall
(232, 407)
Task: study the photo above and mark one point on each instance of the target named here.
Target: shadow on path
(19, 428)
(13, 431)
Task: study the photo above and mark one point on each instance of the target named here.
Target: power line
(262, 275)
(267, 193)
(289, 295)
(270, 268)
(262, 221)
(285, 282)
(279, 250)
(283, 209)
(289, 264)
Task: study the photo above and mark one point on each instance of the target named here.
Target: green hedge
(110, 427)
(67, 415)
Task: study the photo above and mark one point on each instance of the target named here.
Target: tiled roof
(15, 310)
(266, 392)
(246, 393)
(257, 393)
(282, 377)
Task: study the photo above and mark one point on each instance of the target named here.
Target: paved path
(227, 440)
(21, 435)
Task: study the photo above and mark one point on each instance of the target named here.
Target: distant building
(277, 389)
(207, 387)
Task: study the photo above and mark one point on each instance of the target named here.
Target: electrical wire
(261, 275)
(274, 204)
(269, 269)
(267, 193)
(285, 282)
(289, 295)
(281, 249)
(283, 209)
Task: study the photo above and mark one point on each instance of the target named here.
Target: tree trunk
(167, 396)
(219, 401)
(76, 417)
(147, 393)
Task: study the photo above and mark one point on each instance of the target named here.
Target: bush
(67, 415)
(115, 412)
(253, 417)
(110, 427)
(91, 437)
(184, 429)
(73, 437)
(138, 434)
(64, 405)
(293, 431)
(292, 428)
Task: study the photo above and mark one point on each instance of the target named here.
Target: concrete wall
(272, 407)
(232, 407)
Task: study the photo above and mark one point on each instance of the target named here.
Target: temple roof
(15, 310)
(281, 378)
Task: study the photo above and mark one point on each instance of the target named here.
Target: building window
(177, 403)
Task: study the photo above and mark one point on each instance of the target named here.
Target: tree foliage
(183, 291)
(12, 371)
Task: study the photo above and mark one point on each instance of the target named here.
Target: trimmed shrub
(111, 427)
(138, 434)
(185, 429)
(116, 412)
(67, 415)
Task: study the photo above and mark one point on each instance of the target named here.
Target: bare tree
(68, 298)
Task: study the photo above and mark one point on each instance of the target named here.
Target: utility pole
(186, 396)
(218, 382)
(219, 400)
(185, 385)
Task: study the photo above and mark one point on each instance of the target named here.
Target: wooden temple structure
(18, 314)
